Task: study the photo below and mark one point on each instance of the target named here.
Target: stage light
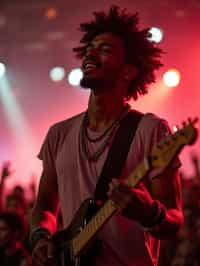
(75, 76)
(57, 73)
(20, 128)
(156, 35)
(2, 69)
(51, 13)
(171, 78)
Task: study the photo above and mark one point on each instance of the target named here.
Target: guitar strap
(117, 154)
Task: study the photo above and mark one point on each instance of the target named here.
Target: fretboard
(106, 212)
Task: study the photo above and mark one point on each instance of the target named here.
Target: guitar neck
(106, 212)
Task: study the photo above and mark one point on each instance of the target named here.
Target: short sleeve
(162, 130)
(48, 152)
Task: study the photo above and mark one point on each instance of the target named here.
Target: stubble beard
(95, 84)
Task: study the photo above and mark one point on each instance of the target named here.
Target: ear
(130, 72)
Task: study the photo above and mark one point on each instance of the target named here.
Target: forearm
(43, 218)
(45, 209)
(169, 226)
(167, 190)
(157, 219)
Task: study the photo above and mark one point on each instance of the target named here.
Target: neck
(103, 108)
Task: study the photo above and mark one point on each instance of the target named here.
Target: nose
(91, 52)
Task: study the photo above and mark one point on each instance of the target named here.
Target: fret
(93, 226)
(139, 173)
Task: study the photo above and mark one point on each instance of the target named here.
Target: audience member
(12, 252)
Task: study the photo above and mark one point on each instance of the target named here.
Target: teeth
(89, 66)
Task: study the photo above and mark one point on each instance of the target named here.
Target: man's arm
(45, 208)
(157, 208)
(43, 220)
(167, 190)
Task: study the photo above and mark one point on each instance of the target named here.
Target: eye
(88, 49)
(106, 49)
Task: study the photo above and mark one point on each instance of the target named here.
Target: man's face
(5, 234)
(103, 62)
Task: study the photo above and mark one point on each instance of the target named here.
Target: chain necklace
(108, 133)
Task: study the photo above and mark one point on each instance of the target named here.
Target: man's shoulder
(152, 121)
(152, 127)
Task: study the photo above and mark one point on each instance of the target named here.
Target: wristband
(159, 214)
(37, 234)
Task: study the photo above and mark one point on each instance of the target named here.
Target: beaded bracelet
(37, 234)
(159, 214)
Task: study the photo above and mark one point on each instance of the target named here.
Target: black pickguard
(62, 238)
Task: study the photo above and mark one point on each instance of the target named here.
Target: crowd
(15, 208)
(184, 249)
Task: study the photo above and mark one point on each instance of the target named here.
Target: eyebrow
(101, 44)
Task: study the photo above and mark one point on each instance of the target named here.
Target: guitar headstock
(163, 153)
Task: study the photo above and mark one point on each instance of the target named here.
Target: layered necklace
(105, 137)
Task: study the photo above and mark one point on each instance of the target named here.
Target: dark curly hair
(140, 52)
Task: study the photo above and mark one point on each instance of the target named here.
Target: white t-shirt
(124, 240)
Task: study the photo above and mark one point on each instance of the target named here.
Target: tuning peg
(184, 124)
(174, 137)
(195, 122)
(159, 146)
(167, 142)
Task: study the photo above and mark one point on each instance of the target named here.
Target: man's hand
(43, 253)
(135, 203)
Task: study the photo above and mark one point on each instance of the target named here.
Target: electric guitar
(76, 241)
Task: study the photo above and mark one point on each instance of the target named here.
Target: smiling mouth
(90, 65)
(89, 68)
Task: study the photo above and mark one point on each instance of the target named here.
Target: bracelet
(159, 214)
(37, 234)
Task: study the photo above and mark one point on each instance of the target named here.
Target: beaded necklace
(106, 135)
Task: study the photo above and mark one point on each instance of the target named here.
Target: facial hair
(96, 83)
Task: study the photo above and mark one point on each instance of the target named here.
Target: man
(118, 63)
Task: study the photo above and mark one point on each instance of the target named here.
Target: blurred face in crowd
(14, 205)
(6, 234)
(18, 191)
